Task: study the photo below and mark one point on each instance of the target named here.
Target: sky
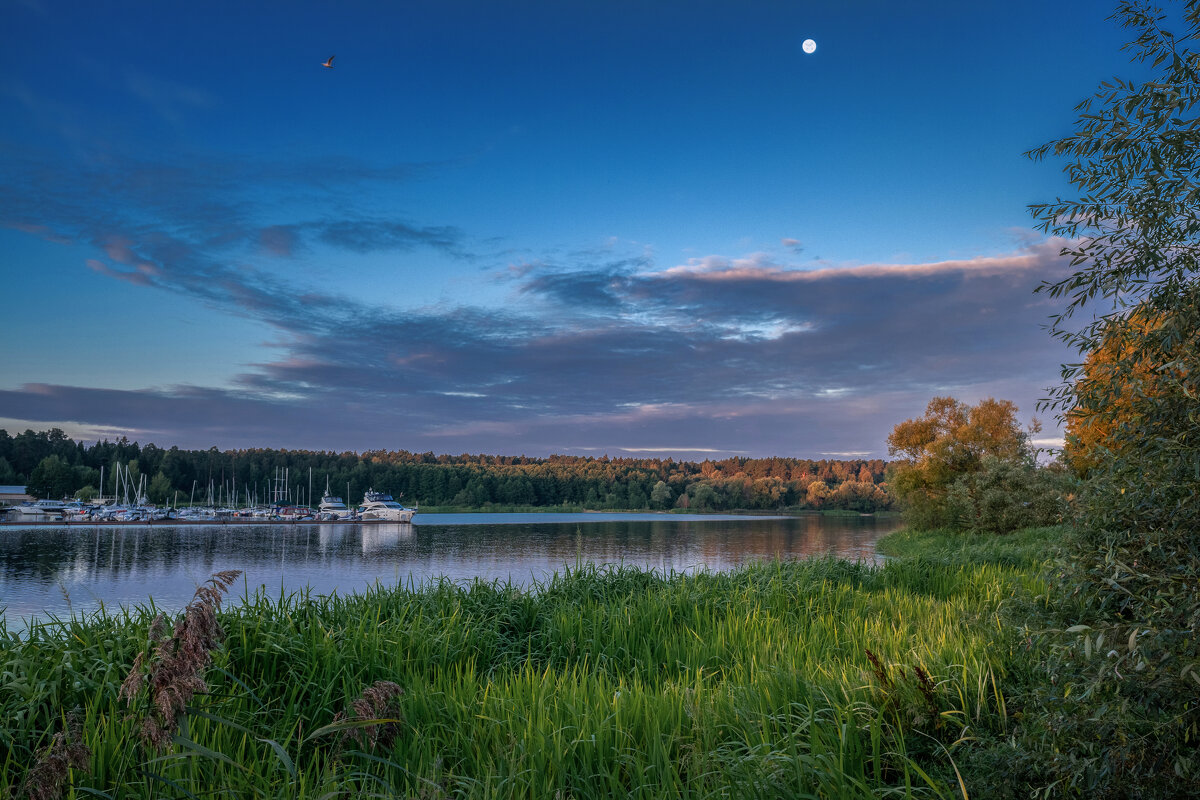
(624, 228)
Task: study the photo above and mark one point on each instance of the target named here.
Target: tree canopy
(1134, 236)
(1131, 403)
(950, 441)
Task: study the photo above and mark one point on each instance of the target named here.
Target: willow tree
(1133, 237)
(1127, 379)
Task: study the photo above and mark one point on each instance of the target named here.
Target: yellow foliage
(1117, 377)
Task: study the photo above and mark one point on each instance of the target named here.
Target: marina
(375, 507)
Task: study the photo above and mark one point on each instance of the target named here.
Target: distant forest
(51, 465)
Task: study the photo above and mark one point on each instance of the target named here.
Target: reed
(818, 678)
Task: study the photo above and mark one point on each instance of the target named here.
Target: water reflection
(54, 570)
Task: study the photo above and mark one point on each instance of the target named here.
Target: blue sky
(529, 227)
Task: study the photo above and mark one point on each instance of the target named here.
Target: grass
(782, 679)
(1027, 548)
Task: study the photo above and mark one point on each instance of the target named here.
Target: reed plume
(880, 671)
(176, 663)
(377, 702)
(47, 778)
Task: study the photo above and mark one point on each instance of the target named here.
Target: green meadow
(818, 678)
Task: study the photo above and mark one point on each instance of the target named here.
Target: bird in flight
(329, 63)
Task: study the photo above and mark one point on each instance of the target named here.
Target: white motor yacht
(332, 507)
(380, 506)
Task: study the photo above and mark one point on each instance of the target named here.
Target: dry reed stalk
(47, 778)
(928, 689)
(880, 671)
(177, 663)
(378, 701)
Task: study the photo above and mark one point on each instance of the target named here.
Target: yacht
(333, 507)
(77, 511)
(381, 507)
(42, 507)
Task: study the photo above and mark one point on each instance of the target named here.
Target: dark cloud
(742, 357)
(218, 208)
(590, 290)
(595, 350)
(794, 246)
(366, 236)
(279, 240)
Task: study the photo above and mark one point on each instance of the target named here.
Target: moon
(809, 46)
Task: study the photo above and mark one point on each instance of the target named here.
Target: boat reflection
(382, 535)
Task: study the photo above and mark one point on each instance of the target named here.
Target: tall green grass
(781, 679)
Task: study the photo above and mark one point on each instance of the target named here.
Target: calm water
(59, 569)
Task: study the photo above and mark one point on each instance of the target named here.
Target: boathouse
(13, 495)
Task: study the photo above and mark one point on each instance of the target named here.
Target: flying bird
(329, 63)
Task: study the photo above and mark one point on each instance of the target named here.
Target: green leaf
(282, 755)
(204, 752)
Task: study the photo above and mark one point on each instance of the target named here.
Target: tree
(816, 493)
(950, 441)
(704, 496)
(1128, 380)
(159, 491)
(1133, 237)
(52, 477)
(661, 495)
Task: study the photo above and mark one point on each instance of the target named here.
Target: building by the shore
(13, 495)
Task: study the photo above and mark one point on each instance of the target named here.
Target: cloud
(216, 208)
(136, 278)
(365, 236)
(710, 450)
(646, 355)
(737, 354)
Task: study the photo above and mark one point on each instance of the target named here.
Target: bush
(1005, 495)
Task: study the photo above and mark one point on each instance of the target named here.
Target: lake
(57, 570)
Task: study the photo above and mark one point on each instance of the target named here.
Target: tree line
(50, 464)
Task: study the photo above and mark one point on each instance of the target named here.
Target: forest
(52, 465)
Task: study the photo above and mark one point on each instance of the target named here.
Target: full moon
(809, 46)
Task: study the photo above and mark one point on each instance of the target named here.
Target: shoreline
(253, 521)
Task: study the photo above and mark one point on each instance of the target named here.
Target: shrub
(1005, 495)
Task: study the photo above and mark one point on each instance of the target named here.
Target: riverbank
(776, 679)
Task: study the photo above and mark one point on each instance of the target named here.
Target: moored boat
(377, 506)
(332, 507)
(41, 508)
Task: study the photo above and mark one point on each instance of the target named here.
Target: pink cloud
(119, 249)
(136, 278)
(758, 266)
